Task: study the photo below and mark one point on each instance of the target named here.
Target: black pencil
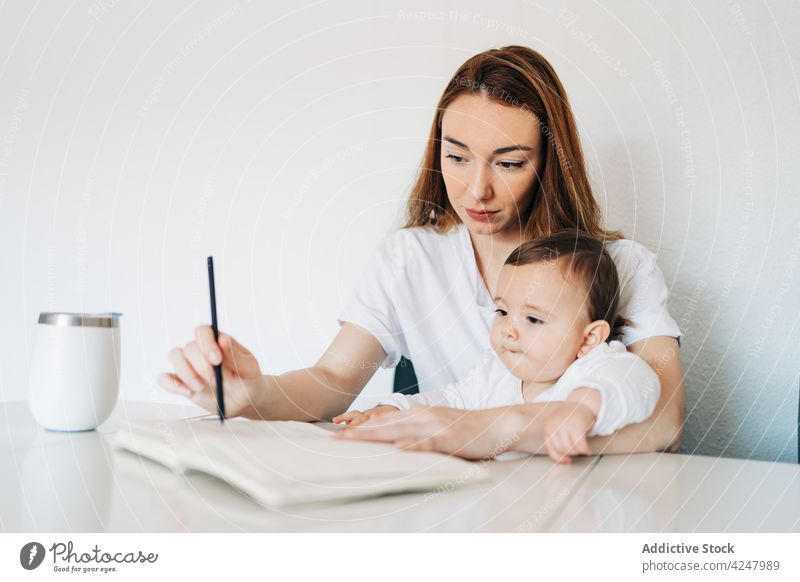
(217, 368)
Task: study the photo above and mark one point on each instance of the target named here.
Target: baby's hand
(565, 431)
(355, 417)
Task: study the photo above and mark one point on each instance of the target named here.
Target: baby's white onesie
(628, 386)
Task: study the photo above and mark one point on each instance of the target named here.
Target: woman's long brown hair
(516, 76)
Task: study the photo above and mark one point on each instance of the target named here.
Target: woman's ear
(593, 335)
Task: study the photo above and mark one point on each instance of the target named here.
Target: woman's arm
(328, 387)
(319, 392)
(472, 434)
(477, 434)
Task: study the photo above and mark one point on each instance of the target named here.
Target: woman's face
(490, 156)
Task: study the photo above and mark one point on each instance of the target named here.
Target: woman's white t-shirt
(422, 297)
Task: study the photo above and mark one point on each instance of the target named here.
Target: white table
(684, 493)
(75, 482)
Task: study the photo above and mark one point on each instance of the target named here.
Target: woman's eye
(510, 165)
(500, 312)
(534, 320)
(455, 158)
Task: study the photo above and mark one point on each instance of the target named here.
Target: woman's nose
(479, 187)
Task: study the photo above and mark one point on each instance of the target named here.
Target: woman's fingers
(371, 431)
(447, 430)
(398, 423)
(350, 418)
(171, 383)
(194, 377)
(346, 416)
(201, 365)
(227, 351)
(237, 358)
(411, 445)
(229, 343)
(198, 361)
(183, 369)
(398, 426)
(204, 337)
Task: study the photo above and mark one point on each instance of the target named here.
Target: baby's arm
(448, 396)
(462, 394)
(628, 386)
(566, 428)
(602, 392)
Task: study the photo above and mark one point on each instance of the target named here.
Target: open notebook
(285, 462)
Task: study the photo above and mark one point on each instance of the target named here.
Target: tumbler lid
(110, 319)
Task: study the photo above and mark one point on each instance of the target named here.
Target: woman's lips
(482, 215)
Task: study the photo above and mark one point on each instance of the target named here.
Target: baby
(556, 308)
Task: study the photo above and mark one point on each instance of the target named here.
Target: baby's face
(540, 320)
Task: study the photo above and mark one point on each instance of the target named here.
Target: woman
(503, 164)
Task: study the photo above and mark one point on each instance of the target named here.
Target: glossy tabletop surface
(77, 482)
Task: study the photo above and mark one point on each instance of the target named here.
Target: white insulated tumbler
(75, 367)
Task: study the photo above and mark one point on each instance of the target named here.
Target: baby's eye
(455, 158)
(534, 320)
(510, 165)
(500, 312)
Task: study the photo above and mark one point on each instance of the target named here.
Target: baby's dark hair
(585, 257)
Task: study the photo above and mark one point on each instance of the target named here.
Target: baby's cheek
(494, 337)
(536, 345)
(549, 357)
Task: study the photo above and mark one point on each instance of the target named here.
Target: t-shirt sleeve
(643, 296)
(467, 393)
(449, 396)
(628, 386)
(371, 304)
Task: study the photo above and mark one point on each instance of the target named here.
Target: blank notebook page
(286, 462)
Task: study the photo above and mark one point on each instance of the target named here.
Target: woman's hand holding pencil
(242, 380)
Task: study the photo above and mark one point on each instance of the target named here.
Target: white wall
(137, 139)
